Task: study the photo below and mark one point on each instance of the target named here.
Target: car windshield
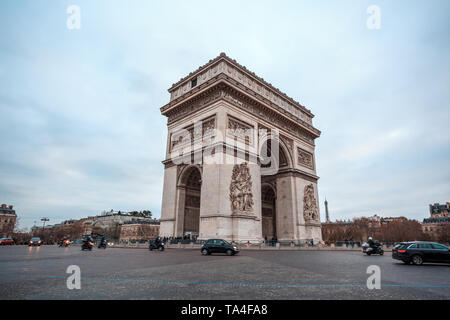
(35, 239)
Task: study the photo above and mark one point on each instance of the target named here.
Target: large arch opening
(191, 221)
(269, 221)
(274, 160)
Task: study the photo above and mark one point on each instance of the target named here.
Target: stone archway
(224, 119)
(192, 186)
(272, 216)
(268, 205)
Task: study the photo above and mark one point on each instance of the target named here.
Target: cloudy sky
(81, 130)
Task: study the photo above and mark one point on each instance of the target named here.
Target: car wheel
(229, 252)
(417, 260)
(205, 252)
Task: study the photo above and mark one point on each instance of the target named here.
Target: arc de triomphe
(240, 162)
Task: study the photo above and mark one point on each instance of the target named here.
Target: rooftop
(231, 69)
(5, 209)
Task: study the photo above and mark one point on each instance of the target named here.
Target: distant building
(139, 231)
(377, 221)
(112, 219)
(7, 220)
(108, 224)
(439, 217)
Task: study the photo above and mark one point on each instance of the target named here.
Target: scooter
(87, 245)
(159, 246)
(375, 250)
(65, 243)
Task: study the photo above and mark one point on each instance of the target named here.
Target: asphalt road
(40, 273)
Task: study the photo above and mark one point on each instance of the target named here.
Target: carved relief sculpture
(305, 158)
(240, 130)
(183, 138)
(310, 211)
(241, 195)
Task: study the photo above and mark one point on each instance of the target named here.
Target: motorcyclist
(87, 239)
(371, 243)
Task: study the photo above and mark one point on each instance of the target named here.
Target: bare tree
(444, 234)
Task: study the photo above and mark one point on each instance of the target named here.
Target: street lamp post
(44, 220)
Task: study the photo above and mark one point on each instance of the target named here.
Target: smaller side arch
(268, 214)
(185, 173)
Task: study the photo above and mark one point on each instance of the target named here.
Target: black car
(35, 241)
(219, 246)
(420, 252)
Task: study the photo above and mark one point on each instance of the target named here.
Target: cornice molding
(230, 67)
(222, 88)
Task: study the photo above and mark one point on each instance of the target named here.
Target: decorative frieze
(190, 133)
(230, 68)
(269, 116)
(240, 130)
(305, 158)
(193, 106)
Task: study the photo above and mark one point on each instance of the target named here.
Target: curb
(257, 249)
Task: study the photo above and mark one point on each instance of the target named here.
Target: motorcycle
(157, 246)
(65, 243)
(87, 245)
(102, 245)
(377, 249)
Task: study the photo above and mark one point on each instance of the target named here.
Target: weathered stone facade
(138, 231)
(239, 160)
